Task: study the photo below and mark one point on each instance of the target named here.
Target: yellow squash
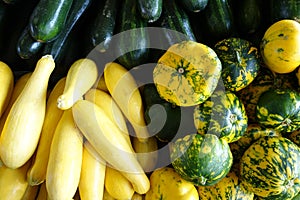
(117, 185)
(106, 196)
(107, 103)
(91, 183)
(280, 46)
(22, 128)
(146, 152)
(18, 87)
(7, 84)
(13, 182)
(37, 172)
(167, 184)
(107, 139)
(124, 90)
(65, 159)
(81, 76)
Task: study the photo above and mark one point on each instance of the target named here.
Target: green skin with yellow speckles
(201, 159)
(279, 109)
(270, 168)
(240, 62)
(223, 114)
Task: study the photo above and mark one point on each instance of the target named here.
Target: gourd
(280, 46)
(240, 62)
(279, 109)
(223, 114)
(21, 131)
(270, 168)
(201, 159)
(187, 73)
(230, 187)
(167, 184)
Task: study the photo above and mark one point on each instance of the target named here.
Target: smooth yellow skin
(167, 184)
(280, 46)
(117, 185)
(65, 159)
(7, 85)
(22, 128)
(109, 142)
(18, 87)
(13, 182)
(81, 76)
(37, 172)
(146, 152)
(124, 90)
(91, 183)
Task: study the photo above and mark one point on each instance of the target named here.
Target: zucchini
(133, 40)
(194, 5)
(248, 15)
(27, 46)
(218, 16)
(284, 9)
(150, 10)
(174, 18)
(63, 49)
(103, 26)
(48, 19)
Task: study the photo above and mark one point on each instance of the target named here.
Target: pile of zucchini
(69, 29)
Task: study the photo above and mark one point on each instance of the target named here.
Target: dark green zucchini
(65, 48)
(103, 25)
(27, 46)
(150, 10)
(174, 20)
(133, 39)
(284, 9)
(248, 16)
(194, 5)
(48, 19)
(218, 16)
(162, 118)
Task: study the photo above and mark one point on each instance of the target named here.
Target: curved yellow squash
(187, 73)
(280, 46)
(7, 85)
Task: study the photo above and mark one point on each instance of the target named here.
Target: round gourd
(280, 46)
(223, 114)
(279, 109)
(229, 187)
(240, 62)
(270, 168)
(187, 73)
(250, 94)
(253, 133)
(201, 159)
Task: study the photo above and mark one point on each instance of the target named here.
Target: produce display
(150, 100)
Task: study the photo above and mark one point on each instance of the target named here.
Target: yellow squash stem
(91, 183)
(108, 141)
(81, 76)
(37, 172)
(22, 128)
(124, 90)
(65, 159)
